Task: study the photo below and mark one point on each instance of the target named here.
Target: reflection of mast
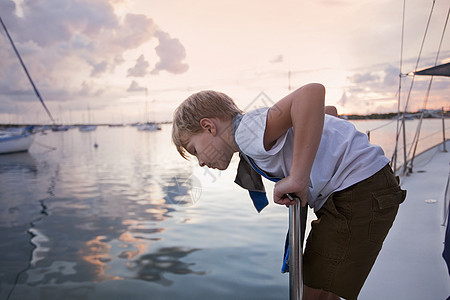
(35, 234)
(89, 115)
(89, 126)
(146, 106)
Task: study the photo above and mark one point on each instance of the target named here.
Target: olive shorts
(349, 232)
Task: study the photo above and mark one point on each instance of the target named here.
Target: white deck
(410, 265)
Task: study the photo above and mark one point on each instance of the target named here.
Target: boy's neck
(224, 129)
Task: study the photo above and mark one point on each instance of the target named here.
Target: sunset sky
(123, 58)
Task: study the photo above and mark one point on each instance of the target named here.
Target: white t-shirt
(344, 156)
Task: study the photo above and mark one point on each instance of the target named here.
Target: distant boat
(60, 128)
(86, 128)
(149, 126)
(90, 127)
(11, 142)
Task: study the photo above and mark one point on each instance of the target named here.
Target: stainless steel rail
(295, 253)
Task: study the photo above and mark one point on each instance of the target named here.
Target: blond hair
(204, 104)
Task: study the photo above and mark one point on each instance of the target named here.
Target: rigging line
(420, 54)
(417, 135)
(381, 126)
(399, 127)
(437, 58)
(442, 36)
(415, 140)
(429, 135)
(397, 133)
(26, 71)
(45, 146)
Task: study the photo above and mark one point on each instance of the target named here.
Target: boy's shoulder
(252, 121)
(249, 130)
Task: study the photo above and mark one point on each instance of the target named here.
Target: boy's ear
(208, 124)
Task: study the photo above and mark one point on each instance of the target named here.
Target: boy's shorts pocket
(385, 205)
(330, 235)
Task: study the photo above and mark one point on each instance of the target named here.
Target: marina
(96, 211)
(131, 218)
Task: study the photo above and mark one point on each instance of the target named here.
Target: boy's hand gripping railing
(295, 251)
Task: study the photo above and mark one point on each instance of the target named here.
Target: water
(384, 135)
(133, 219)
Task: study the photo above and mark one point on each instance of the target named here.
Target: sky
(125, 61)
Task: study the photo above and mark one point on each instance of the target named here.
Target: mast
(26, 71)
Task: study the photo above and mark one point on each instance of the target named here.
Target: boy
(321, 159)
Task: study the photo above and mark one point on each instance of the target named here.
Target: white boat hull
(149, 127)
(15, 143)
(87, 128)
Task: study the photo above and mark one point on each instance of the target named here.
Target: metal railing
(295, 253)
(407, 165)
(446, 201)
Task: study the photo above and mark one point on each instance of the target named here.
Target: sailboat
(11, 142)
(87, 127)
(415, 260)
(148, 126)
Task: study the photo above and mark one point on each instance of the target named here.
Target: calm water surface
(133, 219)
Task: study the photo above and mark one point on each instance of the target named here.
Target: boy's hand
(296, 189)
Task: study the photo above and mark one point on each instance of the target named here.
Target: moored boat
(16, 142)
(86, 128)
(149, 126)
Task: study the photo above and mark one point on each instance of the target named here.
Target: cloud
(140, 69)
(391, 75)
(380, 78)
(135, 87)
(277, 59)
(99, 68)
(51, 22)
(364, 77)
(65, 42)
(343, 100)
(136, 30)
(171, 53)
(370, 88)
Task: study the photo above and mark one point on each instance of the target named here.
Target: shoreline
(430, 114)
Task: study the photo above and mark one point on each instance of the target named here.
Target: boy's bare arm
(303, 110)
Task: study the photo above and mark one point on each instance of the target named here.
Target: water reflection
(183, 189)
(18, 218)
(153, 266)
(77, 214)
(17, 162)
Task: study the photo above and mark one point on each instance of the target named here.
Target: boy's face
(211, 150)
